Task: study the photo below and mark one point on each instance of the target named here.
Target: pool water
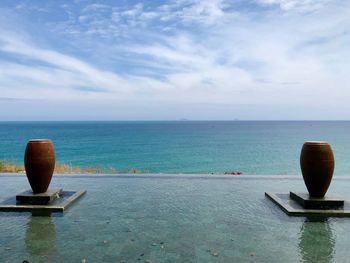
(162, 218)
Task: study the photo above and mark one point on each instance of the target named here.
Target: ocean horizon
(183, 146)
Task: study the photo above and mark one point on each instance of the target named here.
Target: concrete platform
(326, 202)
(293, 208)
(29, 198)
(67, 198)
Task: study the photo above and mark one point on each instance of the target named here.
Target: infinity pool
(179, 218)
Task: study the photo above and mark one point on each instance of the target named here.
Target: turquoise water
(173, 219)
(251, 147)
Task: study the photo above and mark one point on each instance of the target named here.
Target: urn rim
(39, 141)
(316, 143)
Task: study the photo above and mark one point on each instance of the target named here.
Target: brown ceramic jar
(39, 163)
(317, 166)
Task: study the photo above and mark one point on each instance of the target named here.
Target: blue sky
(169, 60)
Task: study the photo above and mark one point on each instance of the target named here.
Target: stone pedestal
(30, 198)
(326, 202)
(300, 204)
(46, 203)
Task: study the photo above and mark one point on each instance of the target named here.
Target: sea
(195, 147)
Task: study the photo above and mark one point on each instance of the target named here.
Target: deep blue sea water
(251, 147)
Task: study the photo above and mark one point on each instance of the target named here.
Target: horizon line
(187, 120)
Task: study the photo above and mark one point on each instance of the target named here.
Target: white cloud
(300, 5)
(209, 56)
(202, 11)
(60, 71)
(110, 21)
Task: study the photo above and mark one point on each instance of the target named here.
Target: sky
(175, 59)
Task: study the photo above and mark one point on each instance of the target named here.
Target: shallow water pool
(180, 218)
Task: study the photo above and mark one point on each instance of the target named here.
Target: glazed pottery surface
(317, 166)
(39, 163)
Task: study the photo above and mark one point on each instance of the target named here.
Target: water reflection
(316, 241)
(40, 237)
